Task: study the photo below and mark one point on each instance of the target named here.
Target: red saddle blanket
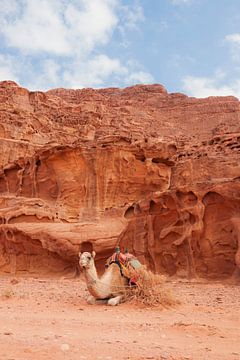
(128, 264)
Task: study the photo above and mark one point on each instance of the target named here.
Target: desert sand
(44, 318)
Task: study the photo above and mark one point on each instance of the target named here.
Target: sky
(189, 46)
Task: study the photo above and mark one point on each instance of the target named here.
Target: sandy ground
(46, 319)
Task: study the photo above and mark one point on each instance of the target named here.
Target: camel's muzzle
(82, 266)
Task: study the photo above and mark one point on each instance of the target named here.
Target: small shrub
(149, 289)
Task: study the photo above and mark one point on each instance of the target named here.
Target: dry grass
(150, 289)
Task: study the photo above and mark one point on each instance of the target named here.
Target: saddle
(128, 265)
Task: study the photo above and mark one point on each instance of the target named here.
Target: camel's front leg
(115, 300)
(91, 300)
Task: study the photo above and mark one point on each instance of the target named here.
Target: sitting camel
(109, 288)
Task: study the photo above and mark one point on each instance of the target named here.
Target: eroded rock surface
(88, 169)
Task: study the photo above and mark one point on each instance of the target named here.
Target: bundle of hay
(149, 289)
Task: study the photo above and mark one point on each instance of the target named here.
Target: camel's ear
(93, 254)
(79, 254)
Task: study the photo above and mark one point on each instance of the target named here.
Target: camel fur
(107, 289)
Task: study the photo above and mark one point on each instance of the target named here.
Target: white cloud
(234, 41)
(204, 87)
(234, 38)
(133, 14)
(63, 41)
(101, 68)
(220, 83)
(93, 72)
(8, 68)
(49, 73)
(91, 25)
(36, 28)
(59, 27)
(178, 2)
(8, 8)
(140, 77)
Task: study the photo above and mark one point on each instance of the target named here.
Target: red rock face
(89, 169)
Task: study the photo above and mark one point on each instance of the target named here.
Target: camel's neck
(91, 275)
(98, 287)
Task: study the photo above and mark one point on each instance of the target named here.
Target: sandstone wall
(88, 169)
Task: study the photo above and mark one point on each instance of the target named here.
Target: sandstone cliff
(87, 169)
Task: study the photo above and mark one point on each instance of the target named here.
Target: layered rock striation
(89, 169)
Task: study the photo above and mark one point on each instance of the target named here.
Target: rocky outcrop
(88, 169)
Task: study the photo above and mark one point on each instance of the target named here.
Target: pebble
(65, 347)
(164, 356)
(14, 281)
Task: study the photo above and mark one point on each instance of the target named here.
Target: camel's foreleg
(115, 300)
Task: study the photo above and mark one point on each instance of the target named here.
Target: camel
(109, 288)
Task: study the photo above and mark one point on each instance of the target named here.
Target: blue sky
(190, 46)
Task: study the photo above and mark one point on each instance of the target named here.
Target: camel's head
(86, 259)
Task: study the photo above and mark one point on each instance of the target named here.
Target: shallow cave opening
(192, 219)
(212, 197)
(86, 246)
(157, 160)
(154, 208)
(140, 157)
(172, 149)
(129, 213)
(21, 254)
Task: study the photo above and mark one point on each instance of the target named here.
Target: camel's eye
(89, 257)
